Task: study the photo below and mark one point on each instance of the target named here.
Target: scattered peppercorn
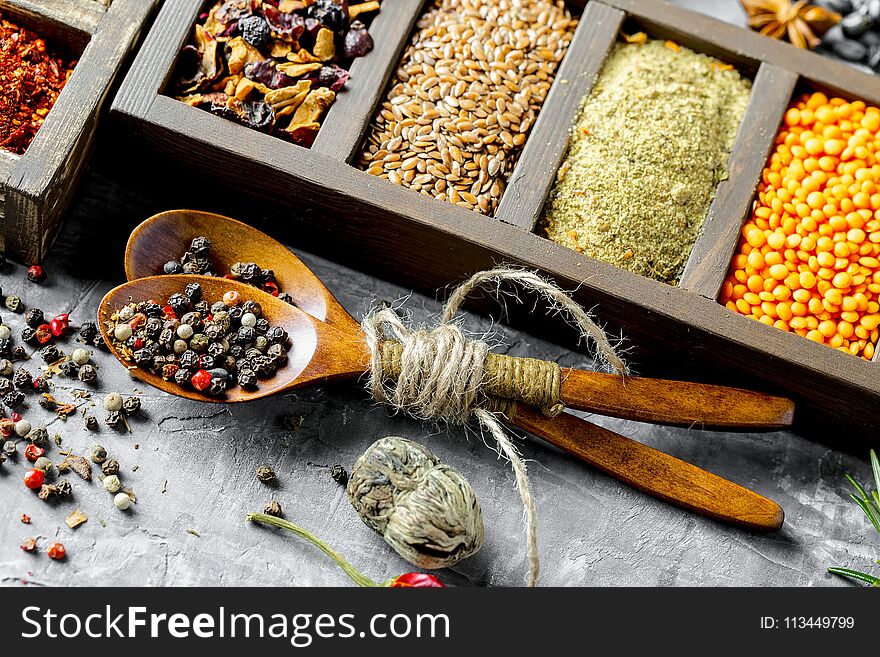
(113, 419)
(273, 508)
(339, 474)
(808, 261)
(33, 452)
(34, 317)
(48, 402)
(88, 374)
(91, 422)
(25, 519)
(111, 483)
(34, 478)
(36, 274)
(14, 303)
(131, 405)
(56, 551)
(110, 467)
(98, 454)
(61, 489)
(122, 501)
(113, 401)
(38, 436)
(267, 475)
(29, 544)
(43, 464)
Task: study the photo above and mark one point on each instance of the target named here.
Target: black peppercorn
(286, 298)
(218, 387)
(153, 327)
(244, 335)
(131, 405)
(91, 422)
(5, 386)
(110, 467)
(28, 335)
(261, 326)
(34, 317)
(234, 313)
(88, 331)
(143, 358)
(253, 308)
(200, 245)
(5, 348)
(247, 379)
(339, 475)
(69, 368)
(14, 398)
(218, 307)
(113, 419)
(206, 362)
(202, 308)
(50, 353)
(194, 292)
(172, 267)
(48, 402)
(19, 353)
(278, 353)
(189, 360)
(261, 344)
(273, 509)
(277, 335)
(182, 377)
(22, 378)
(179, 304)
(252, 353)
(267, 475)
(88, 373)
(194, 319)
(98, 342)
(216, 349)
(213, 331)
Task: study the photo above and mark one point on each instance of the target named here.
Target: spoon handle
(652, 471)
(680, 403)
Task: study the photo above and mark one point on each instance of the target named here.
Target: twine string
(439, 374)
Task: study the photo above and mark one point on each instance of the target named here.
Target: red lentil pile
(808, 259)
(31, 77)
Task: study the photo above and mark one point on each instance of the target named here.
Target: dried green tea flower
(424, 509)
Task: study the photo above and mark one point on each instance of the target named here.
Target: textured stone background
(195, 464)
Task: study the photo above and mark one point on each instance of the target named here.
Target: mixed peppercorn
(31, 78)
(197, 260)
(273, 65)
(209, 347)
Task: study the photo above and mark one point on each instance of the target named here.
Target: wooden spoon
(676, 403)
(320, 352)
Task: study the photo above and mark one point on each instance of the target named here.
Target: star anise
(800, 23)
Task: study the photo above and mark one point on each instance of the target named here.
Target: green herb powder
(645, 156)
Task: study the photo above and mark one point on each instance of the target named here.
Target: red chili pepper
(59, 325)
(416, 581)
(32, 452)
(36, 274)
(201, 380)
(408, 580)
(43, 333)
(34, 478)
(56, 551)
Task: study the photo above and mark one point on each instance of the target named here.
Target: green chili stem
(855, 574)
(356, 576)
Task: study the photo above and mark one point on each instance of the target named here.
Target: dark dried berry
(153, 310)
(22, 378)
(278, 352)
(254, 30)
(166, 339)
(131, 405)
(277, 335)
(213, 332)
(88, 373)
(261, 326)
(247, 379)
(267, 475)
(244, 335)
(99, 343)
(286, 298)
(50, 353)
(193, 292)
(113, 419)
(110, 467)
(14, 399)
(5, 348)
(194, 319)
(179, 304)
(202, 308)
(5, 386)
(88, 331)
(200, 245)
(253, 308)
(153, 327)
(182, 377)
(69, 368)
(249, 272)
(217, 387)
(218, 307)
(34, 317)
(19, 353)
(189, 360)
(206, 362)
(358, 41)
(143, 358)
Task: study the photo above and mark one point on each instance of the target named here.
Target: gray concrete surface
(195, 468)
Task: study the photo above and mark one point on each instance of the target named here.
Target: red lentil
(31, 77)
(807, 260)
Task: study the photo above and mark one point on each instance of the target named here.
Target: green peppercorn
(98, 454)
(14, 303)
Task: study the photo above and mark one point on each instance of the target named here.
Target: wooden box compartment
(36, 187)
(362, 220)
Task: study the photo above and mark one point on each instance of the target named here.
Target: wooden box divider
(535, 170)
(396, 232)
(348, 119)
(37, 186)
(710, 258)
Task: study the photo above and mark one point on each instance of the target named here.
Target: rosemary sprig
(870, 505)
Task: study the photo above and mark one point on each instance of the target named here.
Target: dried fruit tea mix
(32, 76)
(645, 157)
(808, 259)
(464, 97)
(273, 65)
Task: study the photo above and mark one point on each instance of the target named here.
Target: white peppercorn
(22, 428)
(122, 501)
(248, 319)
(80, 356)
(112, 483)
(113, 402)
(185, 331)
(180, 346)
(122, 332)
(126, 313)
(43, 464)
(5, 333)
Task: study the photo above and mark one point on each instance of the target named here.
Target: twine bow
(439, 374)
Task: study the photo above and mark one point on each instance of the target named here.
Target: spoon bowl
(318, 352)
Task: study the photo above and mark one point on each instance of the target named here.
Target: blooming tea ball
(424, 509)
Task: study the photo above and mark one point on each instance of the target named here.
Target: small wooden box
(367, 221)
(35, 188)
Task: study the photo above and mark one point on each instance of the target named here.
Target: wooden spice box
(367, 221)
(35, 188)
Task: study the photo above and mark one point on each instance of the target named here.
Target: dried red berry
(25, 519)
(416, 581)
(271, 288)
(59, 325)
(34, 478)
(201, 380)
(32, 452)
(138, 343)
(43, 333)
(232, 298)
(56, 551)
(169, 312)
(28, 544)
(36, 274)
(7, 427)
(14, 416)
